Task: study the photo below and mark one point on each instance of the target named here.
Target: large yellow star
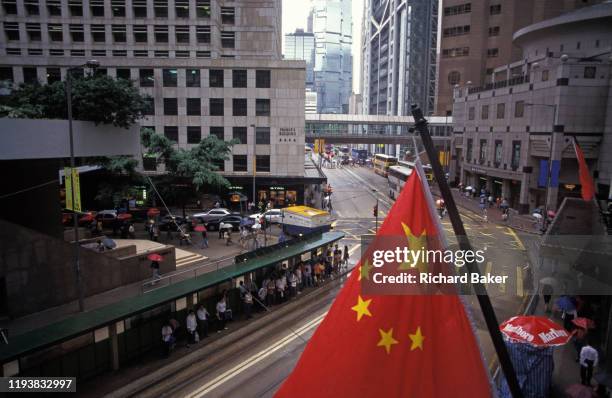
(361, 308)
(415, 243)
(417, 340)
(364, 271)
(386, 340)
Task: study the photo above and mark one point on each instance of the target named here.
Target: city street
(258, 367)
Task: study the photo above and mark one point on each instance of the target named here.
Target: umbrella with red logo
(584, 323)
(155, 257)
(538, 331)
(199, 228)
(152, 212)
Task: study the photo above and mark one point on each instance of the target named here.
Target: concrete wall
(48, 139)
(38, 271)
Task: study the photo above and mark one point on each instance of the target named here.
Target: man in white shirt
(202, 315)
(588, 360)
(192, 326)
(221, 309)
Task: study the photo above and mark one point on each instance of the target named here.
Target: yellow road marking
(516, 239)
(488, 267)
(519, 281)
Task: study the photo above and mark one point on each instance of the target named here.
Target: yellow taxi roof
(306, 211)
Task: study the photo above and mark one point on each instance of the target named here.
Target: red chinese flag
(586, 181)
(392, 345)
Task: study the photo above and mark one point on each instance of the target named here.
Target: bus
(382, 163)
(397, 178)
(426, 168)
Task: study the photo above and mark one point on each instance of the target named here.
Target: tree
(200, 163)
(99, 99)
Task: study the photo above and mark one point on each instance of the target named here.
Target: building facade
(332, 26)
(211, 67)
(301, 45)
(511, 135)
(399, 56)
(476, 38)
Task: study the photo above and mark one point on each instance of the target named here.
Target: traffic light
(375, 210)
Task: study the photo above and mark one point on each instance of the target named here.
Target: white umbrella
(468, 188)
(537, 215)
(225, 225)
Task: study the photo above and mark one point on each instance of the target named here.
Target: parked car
(107, 217)
(211, 214)
(233, 219)
(272, 216)
(166, 223)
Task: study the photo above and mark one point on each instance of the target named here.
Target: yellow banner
(68, 185)
(316, 146)
(77, 190)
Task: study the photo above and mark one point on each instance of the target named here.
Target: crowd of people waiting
(279, 286)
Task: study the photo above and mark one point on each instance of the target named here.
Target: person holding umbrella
(588, 360)
(202, 229)
(155, 259)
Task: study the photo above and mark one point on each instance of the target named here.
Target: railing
(168, 280)
(503, 83)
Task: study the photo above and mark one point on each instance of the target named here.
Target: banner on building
(543, 175)
(76, 200)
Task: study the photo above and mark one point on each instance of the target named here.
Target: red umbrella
(584, 323)
(579, 391)
(152, 212)
(538, 331)
(124, 216)
(199, 228)
(155, 257)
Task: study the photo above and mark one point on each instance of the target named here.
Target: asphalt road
(259, 370)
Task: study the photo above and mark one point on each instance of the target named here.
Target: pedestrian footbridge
(371, 129)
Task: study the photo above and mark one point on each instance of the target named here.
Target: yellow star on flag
(364, 271)
(386, 340)
(415, 243)
(417, 340)
(361, 308)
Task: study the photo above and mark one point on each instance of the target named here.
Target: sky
(295, 13)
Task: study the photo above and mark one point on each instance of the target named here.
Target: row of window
(119, 34)
(458, 9)
(117, 8)
(216, 107)
(194, 134)
(456, 31)
(455, 52)
(146, 77)
(519, 111)
(54, 52)
(498, 153)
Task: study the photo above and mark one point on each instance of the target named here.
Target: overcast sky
(295, 13)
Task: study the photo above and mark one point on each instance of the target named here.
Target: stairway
(184, 258)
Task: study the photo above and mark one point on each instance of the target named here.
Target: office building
(212, 67)
(399, 56)
(333, 69)
(510, 135)
(476, 38)
(301, 45)
(311, 102)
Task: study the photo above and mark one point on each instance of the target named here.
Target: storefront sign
(277, 188)
(477, 170)
(235, 188)
(287, 131)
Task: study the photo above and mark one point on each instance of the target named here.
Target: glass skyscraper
(333, 68)
(301, 45)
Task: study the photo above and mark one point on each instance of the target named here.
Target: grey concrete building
(476, 38)
(211, 67)
(510, 134)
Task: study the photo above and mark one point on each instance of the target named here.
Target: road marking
(253, 360)
(516, 239)
(382, 197)
(519, 281)
(488, 267)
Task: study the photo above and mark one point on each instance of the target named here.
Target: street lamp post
(550, 160)
(254, 162)
(77, 262)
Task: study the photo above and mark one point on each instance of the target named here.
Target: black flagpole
(464, 244)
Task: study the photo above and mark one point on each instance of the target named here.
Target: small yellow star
(386, 340)
(417, 340)
(415, 244)
(361, 308)
(364, 271)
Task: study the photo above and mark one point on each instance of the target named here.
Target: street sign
(72, 183)
(77, 190)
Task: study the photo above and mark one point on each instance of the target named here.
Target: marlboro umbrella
(538, 331)
(579, 391)
(152, 212)
(199, 228)
(155, 257)
(584, 323)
